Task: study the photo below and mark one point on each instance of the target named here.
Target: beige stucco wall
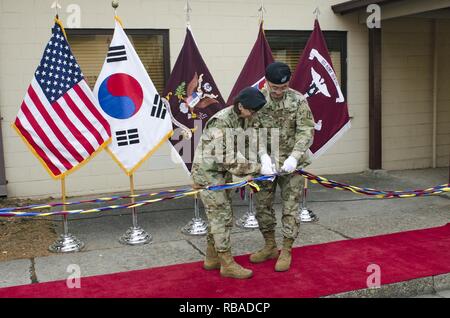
(225, 32)
(407, 93)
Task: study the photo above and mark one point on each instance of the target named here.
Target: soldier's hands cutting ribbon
(289, 165)
(267, 168)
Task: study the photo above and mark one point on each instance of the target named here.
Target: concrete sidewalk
(343, 215)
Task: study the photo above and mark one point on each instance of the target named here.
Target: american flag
(59, 118)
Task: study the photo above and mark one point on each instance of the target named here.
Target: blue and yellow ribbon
(184, 192)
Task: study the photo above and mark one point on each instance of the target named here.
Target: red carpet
(317, 270)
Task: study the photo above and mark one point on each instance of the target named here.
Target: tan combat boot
(269, 251)
(211, 259)
(284, 260)
(229, 268)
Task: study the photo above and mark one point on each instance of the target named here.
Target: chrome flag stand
(66, 242)
(196, 226)
(304, 214)
(135, 235)
(248, 220)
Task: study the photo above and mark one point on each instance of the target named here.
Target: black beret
(278, 73)
(251, 98)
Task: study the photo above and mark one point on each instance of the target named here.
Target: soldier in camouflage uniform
(214, 164)
(286, 110)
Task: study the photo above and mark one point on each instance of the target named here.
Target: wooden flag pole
(63, 199)
(132, 201)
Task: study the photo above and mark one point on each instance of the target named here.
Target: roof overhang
(356, 5)
(395, 8)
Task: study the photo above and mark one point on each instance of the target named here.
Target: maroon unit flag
(316, 79)
(193, 96)
(254, 68)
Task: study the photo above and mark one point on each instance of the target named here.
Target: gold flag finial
(115, 5)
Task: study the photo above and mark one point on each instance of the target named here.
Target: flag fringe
(116, 17)
(59, 22)
(75, 168)
(132, 170)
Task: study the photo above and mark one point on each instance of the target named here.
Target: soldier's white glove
(289, 165)
(267, 168)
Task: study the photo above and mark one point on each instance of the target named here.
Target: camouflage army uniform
(209, 168)
(294, 120)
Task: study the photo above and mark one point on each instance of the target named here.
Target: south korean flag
(139, 121)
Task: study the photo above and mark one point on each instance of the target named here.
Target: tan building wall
(443, 97)
(407, 93)
(225, 32)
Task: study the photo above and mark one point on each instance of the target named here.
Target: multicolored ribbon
(372, 192)
(97, 200)
(180, 193)
(102, 209)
